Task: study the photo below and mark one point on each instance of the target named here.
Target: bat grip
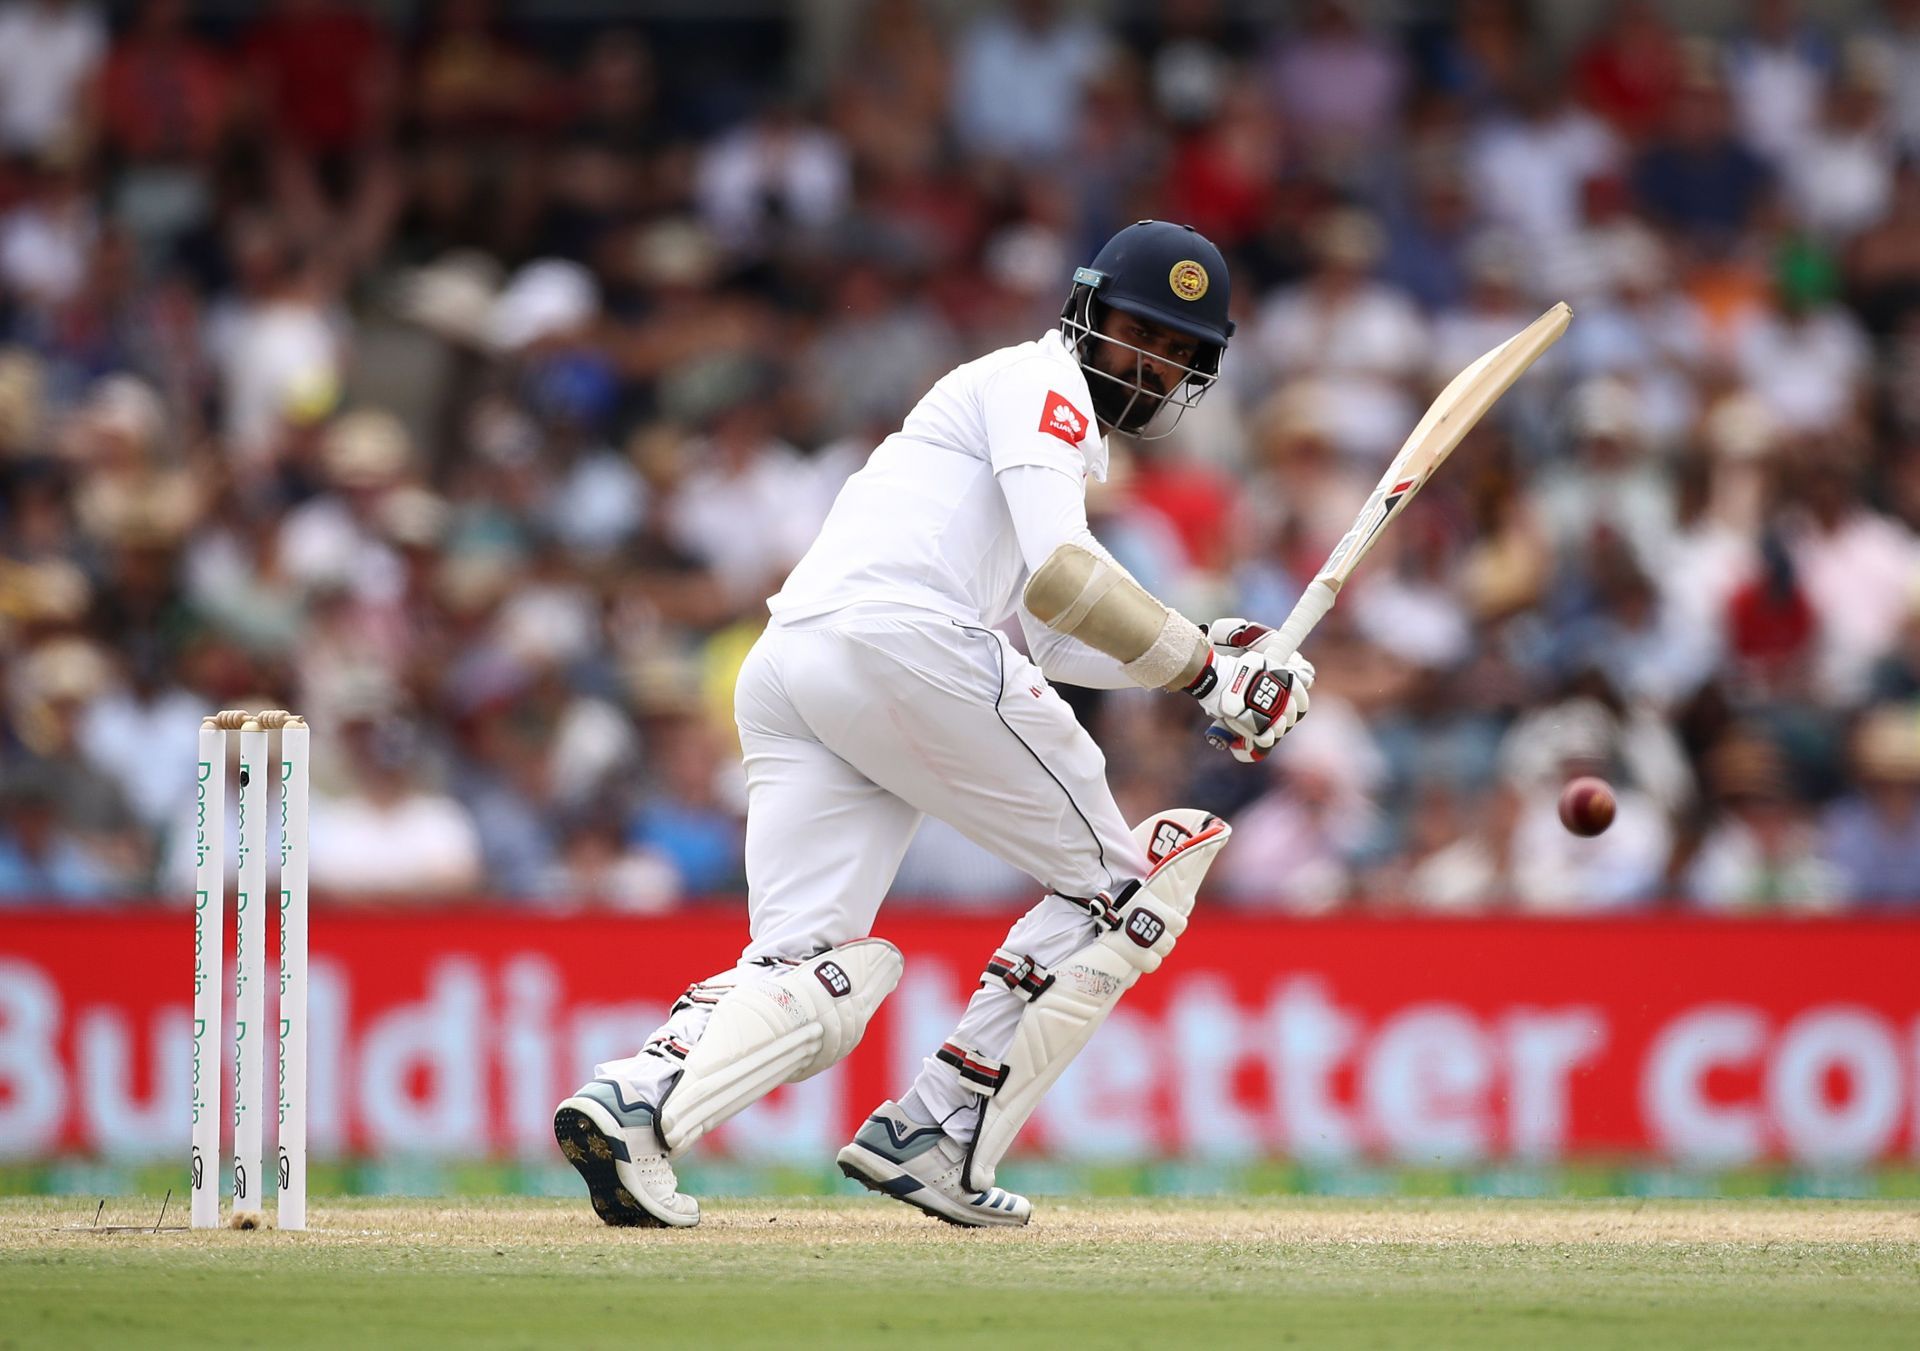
(1308, 611)
(1284, 641)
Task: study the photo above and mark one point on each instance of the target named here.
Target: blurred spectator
(1629, 629)
(70, 824)
(1871, 836)
(1427, 237)
(1698, 176)
(469, 78)
(1858, 567)
(1896, 678)
(1838, 176)
(881, 350)
(1772, 625)
(684, 819)
(47, 239)
(775, 177)
(1557, 872)
(1529, 163)
(1485, 54)
(1305, 837)
(744, 505)
(324, 74)
(1883, 262)
(1491, 311)
(49, 50)
(454, 362)
(1460, 854)
(1591, 730)
(1337, 84)
(165, 103)
(943, 866)
(1631, 70)
(334, 538)
(1636, 328)
(1020, 72)
(275, 340)
(1720, 499)
(1361, 337)
(383, 834)
(41, 860)
(1777, 69)
(596, 867)
(1898, 46)
(141, 733)
(1760, 848)
(1221, 181)
(1610, 485)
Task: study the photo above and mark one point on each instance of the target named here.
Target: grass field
(861, 1273)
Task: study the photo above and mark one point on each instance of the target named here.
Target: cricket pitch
(860, 1273)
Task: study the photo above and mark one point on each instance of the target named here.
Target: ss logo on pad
(831, 976)
(1167, 837)
(1144, 927)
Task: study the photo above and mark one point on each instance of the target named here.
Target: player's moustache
(1121, 403)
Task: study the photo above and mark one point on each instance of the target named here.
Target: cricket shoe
(923, 1166)
(612, 1144)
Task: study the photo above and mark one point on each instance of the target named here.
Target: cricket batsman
(883, 690)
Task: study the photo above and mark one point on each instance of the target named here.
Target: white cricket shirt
(924, 524)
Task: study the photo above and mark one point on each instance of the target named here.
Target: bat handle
(1308, 611)
(1284, 641)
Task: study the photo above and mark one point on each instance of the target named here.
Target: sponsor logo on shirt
(1060, 418)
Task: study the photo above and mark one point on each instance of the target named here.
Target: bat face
(1380, 509)
(1445, 424)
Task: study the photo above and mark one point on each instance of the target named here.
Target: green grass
(863, 1273)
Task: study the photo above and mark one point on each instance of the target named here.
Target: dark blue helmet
(1167, 274)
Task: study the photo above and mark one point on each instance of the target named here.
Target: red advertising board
(1419, 1040)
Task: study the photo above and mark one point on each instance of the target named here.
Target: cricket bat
(1446, 423)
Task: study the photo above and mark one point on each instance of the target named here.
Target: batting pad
(1182, 844)
(778, 1027)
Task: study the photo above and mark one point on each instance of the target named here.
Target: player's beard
(1118, 402)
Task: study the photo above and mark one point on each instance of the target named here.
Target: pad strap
(978, 1073)
(1103, 909)
(1022, 975)
(666, 1045)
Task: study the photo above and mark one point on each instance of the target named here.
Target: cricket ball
(1586, 806)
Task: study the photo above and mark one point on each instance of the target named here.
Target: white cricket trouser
(851, 734)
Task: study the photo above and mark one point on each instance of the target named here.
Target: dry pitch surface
(859, 1273)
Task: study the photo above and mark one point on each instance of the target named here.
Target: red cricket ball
(1586, 806)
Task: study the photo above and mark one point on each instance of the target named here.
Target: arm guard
(1085, 596)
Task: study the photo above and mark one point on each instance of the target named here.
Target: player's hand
(1253, 700)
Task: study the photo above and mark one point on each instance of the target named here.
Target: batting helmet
(1166, 274)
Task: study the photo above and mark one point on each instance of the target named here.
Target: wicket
(249, 960)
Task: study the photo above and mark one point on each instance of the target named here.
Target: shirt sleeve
(1030, 421)
(1049, 509)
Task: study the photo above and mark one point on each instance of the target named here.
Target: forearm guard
(1080, 594)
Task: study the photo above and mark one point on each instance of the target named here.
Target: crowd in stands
(466, 380)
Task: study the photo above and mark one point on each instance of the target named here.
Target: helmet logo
(1188, 280)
